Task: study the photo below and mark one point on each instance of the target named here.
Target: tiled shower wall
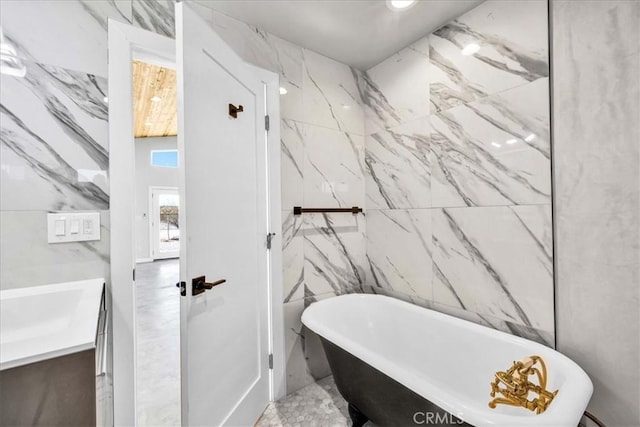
(458, 176)
(54, 150)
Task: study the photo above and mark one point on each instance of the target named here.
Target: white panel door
(223, 200)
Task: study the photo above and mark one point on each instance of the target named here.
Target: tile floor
(158, 343)
(316, 405)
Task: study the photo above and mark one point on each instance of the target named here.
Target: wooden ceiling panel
(154, 100)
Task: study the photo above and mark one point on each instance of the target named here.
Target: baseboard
(143, 260)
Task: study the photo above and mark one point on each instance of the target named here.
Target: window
(164, 158)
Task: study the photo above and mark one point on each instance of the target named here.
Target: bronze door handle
(199, 284)
(208, 285)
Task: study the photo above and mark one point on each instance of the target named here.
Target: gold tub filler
(513, 387)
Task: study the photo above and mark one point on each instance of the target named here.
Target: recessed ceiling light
(283, 90)
(400, 4)
(148, 124)
(346, 106)
(155, 99)
(511, 141)
(530, 138)
(470, 49)
(106, 99)
(495, 144)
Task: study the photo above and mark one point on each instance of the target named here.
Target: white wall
(596, 77)
(147, 176)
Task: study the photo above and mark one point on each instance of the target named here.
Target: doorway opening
(157, 231)
(165, 223)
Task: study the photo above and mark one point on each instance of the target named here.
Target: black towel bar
(298, 210)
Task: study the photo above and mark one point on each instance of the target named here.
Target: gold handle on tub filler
(513, 386)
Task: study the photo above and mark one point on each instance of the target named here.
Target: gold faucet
(517, 386)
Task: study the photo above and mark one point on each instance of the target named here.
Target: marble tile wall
(597, 198)
(54, 140)
(54, 146)
(493, 151)
(457, 170)
(495, 261)
(512, 36)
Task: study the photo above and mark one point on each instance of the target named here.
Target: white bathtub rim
(80, 337)
(475, 413)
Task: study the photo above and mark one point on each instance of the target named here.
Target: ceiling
(154, 101)
(360, 33)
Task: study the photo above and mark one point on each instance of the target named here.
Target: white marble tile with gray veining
(334, 253)
(494, 151)
(333, 168)
(68, 34)
(398, 169)
(54, 140)
(396, 91)
(28, 260)
(331, 94)
(543, 337)
(291, 163)
(494, 47)
(155, 15)
(265, 50)
(292, 256)
(305, 358)
(496, 261)
(298, 374)
(399, 250)
(314, 353)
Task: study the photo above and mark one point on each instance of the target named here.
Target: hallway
(158, 343)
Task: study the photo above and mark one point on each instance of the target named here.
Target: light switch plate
(78, 227)
(60, 227)
(74, 226)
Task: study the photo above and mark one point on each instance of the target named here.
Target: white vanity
(52, 353)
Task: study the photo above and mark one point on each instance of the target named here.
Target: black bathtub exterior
(376, 397)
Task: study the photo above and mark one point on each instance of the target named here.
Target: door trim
(278, 375)
(127, 43)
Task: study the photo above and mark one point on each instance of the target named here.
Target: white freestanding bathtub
(438, 359)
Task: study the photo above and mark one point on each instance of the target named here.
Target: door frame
(152, 240)
(127, 43)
